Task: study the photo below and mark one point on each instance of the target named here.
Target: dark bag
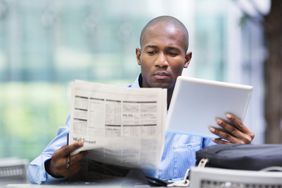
(243, 157)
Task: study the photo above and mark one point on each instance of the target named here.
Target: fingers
(220, 141)
(232, 130)
(75, 159)
(74, 166)
(66, 150)
(239, 124)
(64, 164)
(224, 136)
(72, 171)
(232, 133)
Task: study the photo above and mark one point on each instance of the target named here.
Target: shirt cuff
(49, 177)
(38, 174)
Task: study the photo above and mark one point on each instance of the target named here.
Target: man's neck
(169, 95)
(169, 91)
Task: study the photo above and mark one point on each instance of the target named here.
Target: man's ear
(138, 55)
(188, 58)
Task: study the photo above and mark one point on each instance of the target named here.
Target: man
(162, 56)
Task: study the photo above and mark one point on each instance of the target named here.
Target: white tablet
(196, 103)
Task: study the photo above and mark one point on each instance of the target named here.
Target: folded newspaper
(121, 126)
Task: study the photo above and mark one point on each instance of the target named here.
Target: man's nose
(161, 60)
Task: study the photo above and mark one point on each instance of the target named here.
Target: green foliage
(30, 114)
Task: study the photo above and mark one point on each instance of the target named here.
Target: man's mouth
(161, 75)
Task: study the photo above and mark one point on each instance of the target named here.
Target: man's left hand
(232, 131)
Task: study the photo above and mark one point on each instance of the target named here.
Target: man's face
(162, 56)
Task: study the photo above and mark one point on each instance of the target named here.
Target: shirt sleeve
(36, 171)
(208, 142)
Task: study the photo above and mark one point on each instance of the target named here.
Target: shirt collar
(137, 83)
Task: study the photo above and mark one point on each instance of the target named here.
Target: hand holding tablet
(196, 104)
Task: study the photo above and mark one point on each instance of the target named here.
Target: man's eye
(151, 52)
(173, 54)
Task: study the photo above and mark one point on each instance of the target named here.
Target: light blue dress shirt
(178, 155)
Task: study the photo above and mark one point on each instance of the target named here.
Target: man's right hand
(62, 164)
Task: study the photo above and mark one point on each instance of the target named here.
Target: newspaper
(121, 126)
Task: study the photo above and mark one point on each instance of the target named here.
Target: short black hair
(167, 19)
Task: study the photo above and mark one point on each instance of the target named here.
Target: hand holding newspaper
(121, 126)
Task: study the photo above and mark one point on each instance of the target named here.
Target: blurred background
(48, 43)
